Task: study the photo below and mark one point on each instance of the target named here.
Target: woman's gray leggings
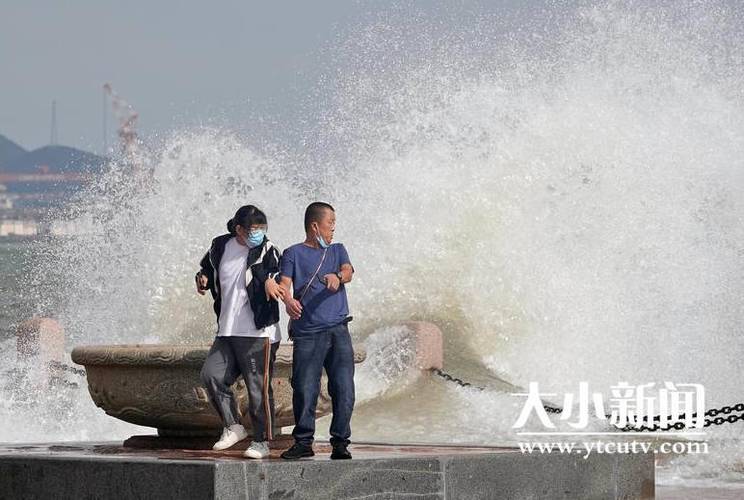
(252, 357)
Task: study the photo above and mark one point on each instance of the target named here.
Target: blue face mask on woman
(255, 237)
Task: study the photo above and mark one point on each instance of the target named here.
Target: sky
(178, 63)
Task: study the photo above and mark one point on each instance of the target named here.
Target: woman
(240, 270)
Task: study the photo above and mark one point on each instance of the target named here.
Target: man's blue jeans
(330, 349)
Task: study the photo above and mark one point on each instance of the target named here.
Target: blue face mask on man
(255, 237)
(322, 242)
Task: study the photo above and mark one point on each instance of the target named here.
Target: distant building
(18, 228)
(6, 199)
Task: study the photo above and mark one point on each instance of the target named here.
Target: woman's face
(244, 234)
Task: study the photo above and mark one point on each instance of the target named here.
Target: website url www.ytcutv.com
(587, 448)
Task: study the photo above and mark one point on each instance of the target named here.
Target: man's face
(326, 226)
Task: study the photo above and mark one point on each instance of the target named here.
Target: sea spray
(561, 193)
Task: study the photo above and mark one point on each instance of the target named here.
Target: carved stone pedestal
(158, 386)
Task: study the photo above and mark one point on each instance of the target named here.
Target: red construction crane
(127, 117)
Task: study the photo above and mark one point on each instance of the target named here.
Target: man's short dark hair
(315, 211)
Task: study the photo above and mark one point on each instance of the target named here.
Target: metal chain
(713, 412)
(460, 382)
(456, 380)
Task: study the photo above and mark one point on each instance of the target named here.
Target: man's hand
(332, 282)
(201, 283)
(273, 290)
(294, 308)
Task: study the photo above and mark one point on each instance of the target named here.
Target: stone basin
(158, 385)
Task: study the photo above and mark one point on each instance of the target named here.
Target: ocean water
(14, 264)
(562, 196)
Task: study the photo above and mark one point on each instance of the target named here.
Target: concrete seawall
(378, 471)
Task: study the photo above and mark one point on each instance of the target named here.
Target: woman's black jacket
(263, 263)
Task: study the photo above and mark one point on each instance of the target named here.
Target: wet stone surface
(110, 470)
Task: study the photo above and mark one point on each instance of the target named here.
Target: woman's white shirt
(236, 315)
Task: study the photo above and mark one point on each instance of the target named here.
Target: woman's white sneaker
(230, 436)
(257, 450)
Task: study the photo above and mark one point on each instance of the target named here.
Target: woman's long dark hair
(246, 216)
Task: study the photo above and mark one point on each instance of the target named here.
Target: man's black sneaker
(340, 452)
(298, 451)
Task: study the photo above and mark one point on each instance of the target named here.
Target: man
(317, 270)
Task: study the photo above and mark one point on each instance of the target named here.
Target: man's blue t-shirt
(321, 308)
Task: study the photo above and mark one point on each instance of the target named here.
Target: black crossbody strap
(307, 285)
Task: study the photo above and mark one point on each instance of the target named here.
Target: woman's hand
(273, 290)
(294, 308)
(201, 283)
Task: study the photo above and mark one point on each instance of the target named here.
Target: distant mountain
(9, 151)
(55, 159)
